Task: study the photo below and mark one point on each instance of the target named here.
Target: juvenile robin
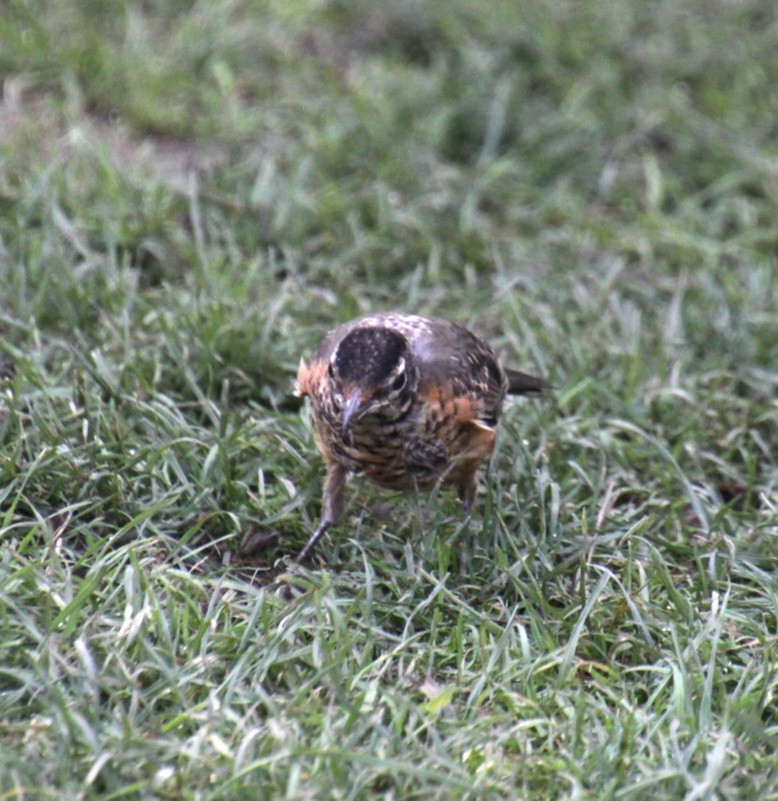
(406, 401)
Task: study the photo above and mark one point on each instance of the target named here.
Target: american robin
(407, 402)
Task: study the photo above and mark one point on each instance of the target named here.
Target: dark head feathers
(369, 355)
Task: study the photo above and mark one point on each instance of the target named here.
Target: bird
(408, 402)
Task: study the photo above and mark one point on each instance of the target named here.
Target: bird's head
(371, 372)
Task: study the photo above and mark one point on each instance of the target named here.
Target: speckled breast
(377, 450)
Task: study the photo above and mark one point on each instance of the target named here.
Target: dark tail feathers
(524, 384)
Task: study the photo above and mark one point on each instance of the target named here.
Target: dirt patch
(34, 125)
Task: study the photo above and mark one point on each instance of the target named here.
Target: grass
(190, 195)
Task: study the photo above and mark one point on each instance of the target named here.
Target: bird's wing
(455, 362)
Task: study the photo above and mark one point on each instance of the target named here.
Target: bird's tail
(524, 384)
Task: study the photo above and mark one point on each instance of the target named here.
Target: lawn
(191, 194)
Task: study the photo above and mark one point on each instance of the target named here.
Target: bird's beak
(352, 404)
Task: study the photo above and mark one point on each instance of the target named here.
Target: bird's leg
(332, 506)
(467, 492)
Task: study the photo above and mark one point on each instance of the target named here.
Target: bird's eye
(399, 382)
